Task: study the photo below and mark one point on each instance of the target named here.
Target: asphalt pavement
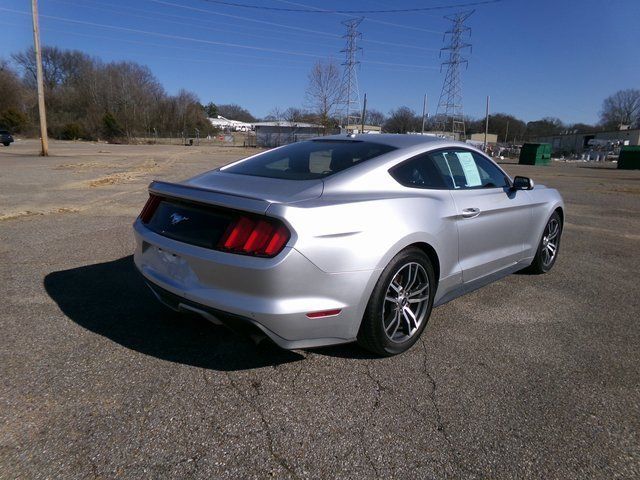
(530, 377)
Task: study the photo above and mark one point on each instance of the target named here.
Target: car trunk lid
(270, 190)
(200, 211)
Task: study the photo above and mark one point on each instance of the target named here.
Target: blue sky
(534, 58)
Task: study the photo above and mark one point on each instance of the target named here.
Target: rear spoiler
(209, 197)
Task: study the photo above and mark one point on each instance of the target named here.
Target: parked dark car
(5, 138)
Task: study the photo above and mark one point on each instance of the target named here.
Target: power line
(291, 27)
(147, 15)
(248, 19)
(290, 64)
(198, 40)
(373, 20)
(352, 12)
(101, 6)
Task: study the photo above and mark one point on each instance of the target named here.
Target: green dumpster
(629, 158)
(535, 154)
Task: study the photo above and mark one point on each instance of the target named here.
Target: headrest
(340, 159)
(299, 163)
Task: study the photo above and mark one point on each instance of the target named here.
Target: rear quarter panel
(364, 232)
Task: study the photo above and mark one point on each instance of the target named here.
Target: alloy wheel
(550, 242)
(406, 302)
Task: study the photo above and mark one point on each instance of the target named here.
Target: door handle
(470, 212)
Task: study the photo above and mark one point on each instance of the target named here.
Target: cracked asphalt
(530, 377)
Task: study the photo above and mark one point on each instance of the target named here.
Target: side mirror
(522, 183)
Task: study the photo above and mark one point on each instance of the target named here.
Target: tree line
(324, 97)
(91, 99)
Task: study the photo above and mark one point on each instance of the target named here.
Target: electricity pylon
(350, 91)
(449, 113)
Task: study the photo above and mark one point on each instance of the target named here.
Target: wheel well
(561, 213)
(433, 256)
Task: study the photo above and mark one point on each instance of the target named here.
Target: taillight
(260, 237)
(150, 208)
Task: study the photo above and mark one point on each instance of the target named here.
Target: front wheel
(400, 304)
(6, 144)
(548, 247)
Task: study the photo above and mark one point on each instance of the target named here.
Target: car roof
(396, 140)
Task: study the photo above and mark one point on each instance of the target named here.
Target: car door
(492, 219)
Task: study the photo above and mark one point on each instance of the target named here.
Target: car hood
(271, 190)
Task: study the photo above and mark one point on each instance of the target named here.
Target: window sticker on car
(469, 168)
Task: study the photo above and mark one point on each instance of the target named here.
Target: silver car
(343, 238)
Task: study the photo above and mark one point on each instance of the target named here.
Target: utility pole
(41, 107)
(506, 134)
(424, 112)
(364, 112)
(486, 125)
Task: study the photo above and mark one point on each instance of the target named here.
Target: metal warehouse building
(579, 142)
(274, 134)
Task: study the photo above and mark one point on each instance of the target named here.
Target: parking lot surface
(530, 377)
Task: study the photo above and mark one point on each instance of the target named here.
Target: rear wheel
(548, 247)
(400, 304)
(6, 144)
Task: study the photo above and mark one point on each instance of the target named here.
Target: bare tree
(544, 127)
(374, 117)
(12, 100)
(293, 114)
(621, 108)
(324, 91)
(402, 120)
(87, 98)
(275, 115)
(235, 112)
(11, 88)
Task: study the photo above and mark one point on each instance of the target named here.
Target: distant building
(356, 129)
(492, 138)
(230, 125)
(274, 134)
(581, 142)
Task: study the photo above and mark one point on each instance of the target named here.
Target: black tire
(6, 144)
(541, 262)
(372, 335)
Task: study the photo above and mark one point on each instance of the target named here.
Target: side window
(418, 172)
(463, 169)
(492, 176)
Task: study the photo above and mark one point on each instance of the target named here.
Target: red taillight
(150, 208)
(255, 236)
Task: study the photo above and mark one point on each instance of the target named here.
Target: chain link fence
(193, 138)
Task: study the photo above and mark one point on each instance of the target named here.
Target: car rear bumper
(270, 294)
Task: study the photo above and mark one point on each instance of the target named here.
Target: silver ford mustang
(343, 238)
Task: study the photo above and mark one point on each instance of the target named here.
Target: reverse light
(258, 237)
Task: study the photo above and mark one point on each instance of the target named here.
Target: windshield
(309, 160)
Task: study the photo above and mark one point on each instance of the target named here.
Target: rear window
(309, 160)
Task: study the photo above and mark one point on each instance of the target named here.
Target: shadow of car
(111, 299)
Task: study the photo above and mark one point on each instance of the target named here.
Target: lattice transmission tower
(449, 113)
(350, 92)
